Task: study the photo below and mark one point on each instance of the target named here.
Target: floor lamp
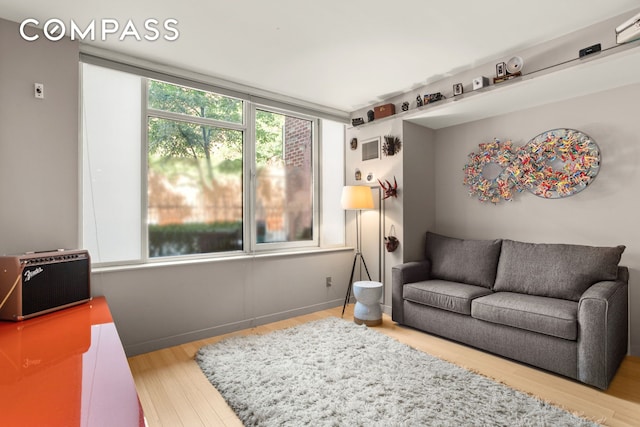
(357, 198)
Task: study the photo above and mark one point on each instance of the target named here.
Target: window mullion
(250, 179)
(315, 173)
(194, 119)
(144, 179)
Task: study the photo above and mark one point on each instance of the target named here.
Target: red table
(66, 368)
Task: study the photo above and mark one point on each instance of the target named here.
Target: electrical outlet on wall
(328, 281)
(38, 90)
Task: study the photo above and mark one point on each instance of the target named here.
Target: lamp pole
(358, 255)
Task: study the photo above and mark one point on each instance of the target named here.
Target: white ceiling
(343, 54)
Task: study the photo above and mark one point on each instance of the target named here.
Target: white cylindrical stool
(367, 309)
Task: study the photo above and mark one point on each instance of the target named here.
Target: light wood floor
(174, 392)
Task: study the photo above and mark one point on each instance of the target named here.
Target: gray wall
(38, 143)
(153, 306)
(160, 306)
(419, 189)
(413, 211)
(383, 168)
(604, 214)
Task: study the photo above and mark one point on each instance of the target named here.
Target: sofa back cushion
(554, 270)
(473, 262)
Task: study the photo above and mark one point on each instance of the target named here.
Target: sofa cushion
(554, 270)
(549, 316)
(466, 261)
(443, 294)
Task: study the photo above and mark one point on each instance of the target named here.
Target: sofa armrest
(410, 272)
(603, 330)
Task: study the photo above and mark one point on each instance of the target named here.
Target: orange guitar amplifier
(40, 282)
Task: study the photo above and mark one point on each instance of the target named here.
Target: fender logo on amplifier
(37, 283)
(28, 274)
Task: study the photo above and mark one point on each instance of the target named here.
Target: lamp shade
(356, 197)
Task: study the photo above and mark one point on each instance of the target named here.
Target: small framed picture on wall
(371, 149)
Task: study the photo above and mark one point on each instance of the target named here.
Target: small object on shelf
(385, 110)
(506, 77)
(589, 50)
(418, 101)
(629, 30)
(433, 97)
(458, 89)
(480, 82)
(357, 121)
(405, 106)
(370, 115)
(514, 65)
(501, 69)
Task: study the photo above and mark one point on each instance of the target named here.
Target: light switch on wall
(38, 90)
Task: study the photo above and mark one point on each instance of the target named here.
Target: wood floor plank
(174, 391)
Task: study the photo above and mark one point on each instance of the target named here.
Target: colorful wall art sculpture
(555, 164)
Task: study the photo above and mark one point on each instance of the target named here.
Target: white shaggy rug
(332, 372)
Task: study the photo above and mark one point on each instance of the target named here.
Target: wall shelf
(615, 67)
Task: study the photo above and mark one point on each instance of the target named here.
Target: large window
(194, 171)
(171, 170)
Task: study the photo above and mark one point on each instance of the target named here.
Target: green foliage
(269, 137)
(170, 138)
(174, 139)
(192, 102)
(184, 139)
(220, 147)
(195, 238)
(230, 166)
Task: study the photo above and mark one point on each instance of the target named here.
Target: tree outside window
(195, 173)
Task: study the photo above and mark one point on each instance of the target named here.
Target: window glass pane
(284, 187)
(332, 172)
(193, 102)
(194, 188)
(111, 182)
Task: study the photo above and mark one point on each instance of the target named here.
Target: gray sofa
(562, 308)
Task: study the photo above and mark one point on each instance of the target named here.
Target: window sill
(217, 259)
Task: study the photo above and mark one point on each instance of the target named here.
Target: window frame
(254, 246)
(148, 113)
(249, 178)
